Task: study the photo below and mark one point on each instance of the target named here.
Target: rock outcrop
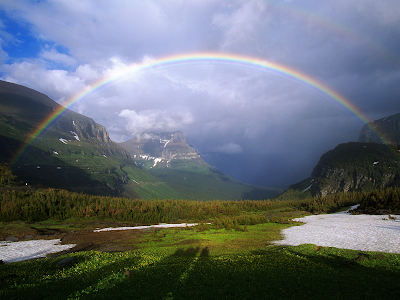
(355, 167)
(162, 148)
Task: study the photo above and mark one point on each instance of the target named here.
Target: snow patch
(19, 251)
(346, 231)
(165, 142)
(162, 225)
(157, 160)
(63, 140)
(375, 163)
(147, 157)
(306, 189)
(75, 135)
(55, 152)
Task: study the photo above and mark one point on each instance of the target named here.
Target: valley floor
(340, 230)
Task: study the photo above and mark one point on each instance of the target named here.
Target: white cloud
(155, 120)
(55, 56)
(57, 84)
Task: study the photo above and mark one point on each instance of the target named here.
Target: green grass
(190, 272)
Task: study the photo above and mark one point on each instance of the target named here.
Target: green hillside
(74, 153)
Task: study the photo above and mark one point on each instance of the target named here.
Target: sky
(259, 126)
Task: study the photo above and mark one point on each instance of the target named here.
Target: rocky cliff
(84, 129)
(157, 150)
(356, 167)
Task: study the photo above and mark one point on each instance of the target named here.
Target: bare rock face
(333, 180)
(85, 129)
(161, 148)
(356, 167)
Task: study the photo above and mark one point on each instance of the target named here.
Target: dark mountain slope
(74, 153)
(359, 166)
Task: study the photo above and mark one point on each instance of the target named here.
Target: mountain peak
(159, 149)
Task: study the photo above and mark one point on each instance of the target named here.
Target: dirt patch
(106, 241)
(84, 238)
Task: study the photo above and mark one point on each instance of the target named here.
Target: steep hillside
(74, 153)
(389, 127)
(168, 156)
(351, 167)
(356, 167)
(363, 166)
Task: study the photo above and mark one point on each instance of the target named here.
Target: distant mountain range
(358, 166)
(77, 154)
(168, 156)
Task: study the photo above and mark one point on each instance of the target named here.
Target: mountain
(389, 127)
(74, 153)
(169, 157)
(166, 149)
(357, 166)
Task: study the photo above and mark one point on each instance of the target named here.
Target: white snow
(55, 152)
(306, 189)
(346, 231)
(162, 225)
(75, 135)
(63, 140)
(157, 160)
(165, 142)
(19, 251)
(376, 162)
(73, 123)
(104, 155)
(147, 157)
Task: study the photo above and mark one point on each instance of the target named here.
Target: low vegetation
(381, 202)
(302, 272)
(39, 205)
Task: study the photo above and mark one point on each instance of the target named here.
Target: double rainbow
(195, 58)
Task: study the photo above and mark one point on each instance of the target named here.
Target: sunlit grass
(302, 272)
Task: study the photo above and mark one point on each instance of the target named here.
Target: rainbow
(187, 59)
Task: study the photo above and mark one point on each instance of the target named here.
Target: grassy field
(208, 263)
(233, 258)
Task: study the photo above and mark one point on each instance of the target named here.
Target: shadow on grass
(191, 273)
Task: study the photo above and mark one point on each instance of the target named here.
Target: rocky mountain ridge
(158, 150)
(355, 167)
(358, 166)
